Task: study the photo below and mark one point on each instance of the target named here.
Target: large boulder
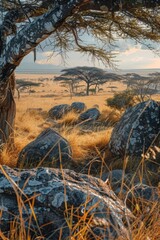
(136, 130)
(92, 114)
(58, 111)
(48, 149)
(58, 204)
(78, 107)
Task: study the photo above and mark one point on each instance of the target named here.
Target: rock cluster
(59, 111)
(60, 197)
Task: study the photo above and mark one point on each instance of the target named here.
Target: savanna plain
(90, 151)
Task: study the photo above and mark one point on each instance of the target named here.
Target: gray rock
(60, 196)
(48, 149)
(58, 111)
(91, 114)
(113, 176)
(144, 192)
(121, 181)
(145, 197)
(136, 130)
(78, 106)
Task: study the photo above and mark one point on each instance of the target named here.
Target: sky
(129, 56)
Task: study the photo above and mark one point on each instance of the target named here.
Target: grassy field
(29, 124)
(91, 147)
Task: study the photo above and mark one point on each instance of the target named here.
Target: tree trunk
(96, 88)
(87, 90)
(7, 115)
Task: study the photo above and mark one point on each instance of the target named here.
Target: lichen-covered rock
(58, 111)
(145, 192)
(48, 149)
(63, 202)
(144, 197)
(91, 114)
(78, 107)
(118, 178)
(113, 176)
(136, 130)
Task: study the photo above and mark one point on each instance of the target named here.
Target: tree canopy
(68, 21)
(26, 23)
(142, 86)
(92, 76)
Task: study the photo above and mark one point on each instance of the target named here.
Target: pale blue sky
(129, 56)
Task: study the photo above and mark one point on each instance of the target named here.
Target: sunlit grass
(86, 145)
(69, 118)
(109, 115)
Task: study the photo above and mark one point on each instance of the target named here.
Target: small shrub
(122, 100)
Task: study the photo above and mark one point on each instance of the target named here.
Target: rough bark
(7, 115)
(20, 45)
(87, 89)
(63, 203)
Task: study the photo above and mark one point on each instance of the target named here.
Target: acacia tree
(155, 76)
(142, 87)
(92, 76)
(71, 82)
(23, 84)
(24, 24)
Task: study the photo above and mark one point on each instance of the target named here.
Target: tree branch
(29, 37)
(34, 33)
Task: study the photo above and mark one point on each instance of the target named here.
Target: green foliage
(122, 100)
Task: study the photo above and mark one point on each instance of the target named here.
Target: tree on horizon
(92, 76)
(25, 24)
(143, 87)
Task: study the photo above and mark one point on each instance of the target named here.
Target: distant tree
(142, 87)
(155, 80)
(70, 82)
(24, 24)
(20, 83)
(92, 76)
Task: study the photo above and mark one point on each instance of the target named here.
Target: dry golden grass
(109, 115)
(85, 146)
(69, 119)
(28, 125)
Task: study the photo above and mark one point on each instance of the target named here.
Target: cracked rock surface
(57, 197)
(136, 130)
(48, 149)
